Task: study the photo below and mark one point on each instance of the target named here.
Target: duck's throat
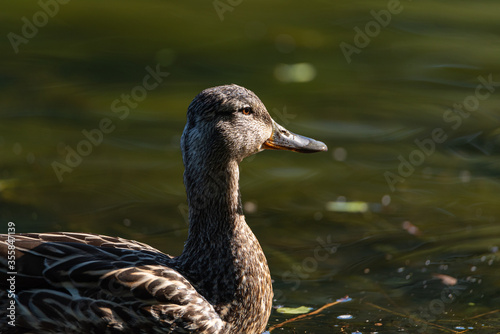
(215, 212)
(222, 256)
(213, 198)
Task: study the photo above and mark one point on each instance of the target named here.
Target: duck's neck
(222, 257)
(214, 202)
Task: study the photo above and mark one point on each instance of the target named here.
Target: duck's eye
(246, 111)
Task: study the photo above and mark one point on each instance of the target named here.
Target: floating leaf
(294, 310)
(347, 206)
(447, 280)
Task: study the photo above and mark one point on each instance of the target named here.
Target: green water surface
(401, 214)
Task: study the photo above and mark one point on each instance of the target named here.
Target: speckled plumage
(84, 283)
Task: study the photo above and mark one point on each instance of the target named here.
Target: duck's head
(230, 122)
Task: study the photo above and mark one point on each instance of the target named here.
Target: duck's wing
(31, 240)
(83, 283)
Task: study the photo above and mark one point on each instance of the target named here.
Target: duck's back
(85, 283)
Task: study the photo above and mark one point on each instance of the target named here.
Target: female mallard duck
(85, 283)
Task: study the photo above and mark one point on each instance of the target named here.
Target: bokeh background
(411, 234)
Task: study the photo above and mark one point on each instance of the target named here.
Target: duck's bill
(282, 139)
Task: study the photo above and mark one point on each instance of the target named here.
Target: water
(400, 214)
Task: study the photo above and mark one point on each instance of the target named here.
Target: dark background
(331, 224)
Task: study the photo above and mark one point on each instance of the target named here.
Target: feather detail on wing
(76, 282)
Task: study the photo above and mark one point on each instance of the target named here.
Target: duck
(69, 282)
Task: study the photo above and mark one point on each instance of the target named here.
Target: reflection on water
(400, 214)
